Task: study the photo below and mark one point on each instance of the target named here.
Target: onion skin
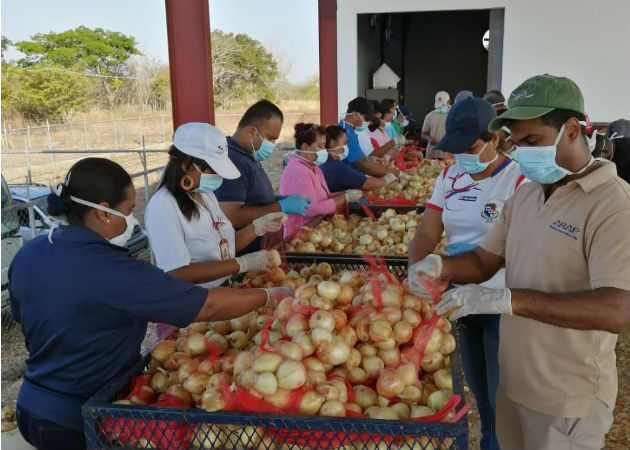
(354, 359)
(322, 319)
(364, 396)
(346, 294)
(310, 403)
(304, 341)
(289, 350)
(314, 378)
(403, 332)
(437, 400)
(389, 384)
(402, 409)
(329, 290)
(333, 408)
(266, 383)
(291, 375)
(443, 379)
(447, 344)
(412, 395)
(329, 391)
(373, 365)
(267, 362)
(381, 412)
(348, 334)
(281, 399)
(163, 350)
(335, 353)
(340, 318)
(196, 383)
(357, 375)
(159, 382)
(432, 361)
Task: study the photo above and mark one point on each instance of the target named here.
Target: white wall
(586, 41)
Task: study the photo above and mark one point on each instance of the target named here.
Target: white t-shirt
(177, 242)
(469, 208)
(365, 141)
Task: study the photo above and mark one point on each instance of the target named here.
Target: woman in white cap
(190, 236)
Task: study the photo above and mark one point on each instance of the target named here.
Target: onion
(357, 375)
(266, 383)
(421, 411)
(312, 363)
(123, 401)
(241, 323)
(159, 382)
(373, 365)
(163, 350)
(349, 336)
(367, 349)
(402, 409)
(324, 270)
(380, 331)
(435, 341)
(392, 314)
(432, 361)
(296, 323)
(322, 319)
(196, 383)
(346, 294)
(362, 329)
(291, 375)
(444, 325)
(412, 302)
(243, 361)
(267, 362)
(216, 380)
(411, 395)
(381, 412)
(382, 401)
(447, 345)
(274, 258)
(310, 403)
(364, 396)
(187, 369)
(246, 379)
(342, 388)
(380, 233)
(437, 400)
(289, 350)
(178, 391)
(275, 274)
(443, 379)
(389, 384)
(388, 344)
(237, 340)
(339, 317)
(326, 241)
(328, 390)
(222, 327)
(306, 291)
(200, 327)
(261, 321)
(335, 353)
(353, 407)
(321, 336)
(281, 399)
(333, 408)
(173, 378)
(354, 360)
(321, 302)
(314, 378)
(403, 331)
(408, 373)
(412, 317)
(391, 298)
(304, 341)
(329, 290)
(339, 371)
(284, 310)
(221, 344)
(390, 357)
(146, 396)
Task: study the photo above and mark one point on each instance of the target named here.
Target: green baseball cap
(539, 95)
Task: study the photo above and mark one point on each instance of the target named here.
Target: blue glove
(294, 204)
(280, 197)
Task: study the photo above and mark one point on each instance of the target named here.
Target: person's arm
(242, 215)
(383, 149)
(427, 235)
(226, 303)
(244, 237)
(373, 183)
(202, 272)
(374, 169)
(475, 266)
(606, 309)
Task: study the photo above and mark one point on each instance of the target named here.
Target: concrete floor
(13, 440)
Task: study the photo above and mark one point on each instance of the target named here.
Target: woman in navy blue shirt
(84, 303)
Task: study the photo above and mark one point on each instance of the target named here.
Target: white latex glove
(390, 178)
(277, 294)
(475, 299)
(353, 195)
(269, 223)
(400, 140)
(256, 261)
(431, 266)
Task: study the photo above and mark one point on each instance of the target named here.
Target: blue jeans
(479, 344)
(45, 435)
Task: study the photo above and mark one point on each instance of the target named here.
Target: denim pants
(479, 344)
(45, 435)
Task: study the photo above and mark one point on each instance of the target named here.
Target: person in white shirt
(190, 236)
(467, 199)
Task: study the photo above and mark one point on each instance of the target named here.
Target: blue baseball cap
(467, 120)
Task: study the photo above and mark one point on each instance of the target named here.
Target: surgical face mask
(471, 164)
(265, 150)
(342, 155)
(363, 126)
(539, 163)
(404, 123)
(395, 114)
(442, 109)
(208, 182)
(322, 156)
(122, 238)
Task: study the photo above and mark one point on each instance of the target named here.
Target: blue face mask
(404, 123)
(322, 156)
(395, 114)
(208, 182)
(363, 126)
(342, 155)
(265, 150)
(471, 164)
(539, 163)
(442, 109)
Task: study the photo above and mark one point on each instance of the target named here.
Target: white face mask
(121, 239)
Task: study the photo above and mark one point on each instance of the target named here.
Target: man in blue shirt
(355, 119)
(251, 196)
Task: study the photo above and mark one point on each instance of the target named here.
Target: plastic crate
(109, 426)
(377, 210)
(396, 265)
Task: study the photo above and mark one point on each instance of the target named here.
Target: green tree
(241, 68)
(6, 43)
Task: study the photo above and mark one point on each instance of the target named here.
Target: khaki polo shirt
(578, 240)
(434, 124)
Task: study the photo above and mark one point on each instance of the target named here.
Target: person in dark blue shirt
(84, 303)
(251, 196)
(340, 176)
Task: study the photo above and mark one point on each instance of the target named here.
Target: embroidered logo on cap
(522, 95)
(220, 150)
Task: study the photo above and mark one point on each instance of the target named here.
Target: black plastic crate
(109, 426)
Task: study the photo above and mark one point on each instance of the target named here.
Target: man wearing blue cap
(466, 201)
(563, 240)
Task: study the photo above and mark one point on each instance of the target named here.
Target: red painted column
(190, 64)
(328, 61)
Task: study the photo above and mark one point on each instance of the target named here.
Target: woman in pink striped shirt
(302, 176)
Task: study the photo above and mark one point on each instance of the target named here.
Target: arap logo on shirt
(490, 212)
(566, 229)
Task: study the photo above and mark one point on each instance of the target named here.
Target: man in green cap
(563, 240)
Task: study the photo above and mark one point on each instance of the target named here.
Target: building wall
(588, 42)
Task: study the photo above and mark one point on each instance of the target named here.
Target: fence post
(163, 131)
(115, 136)
(146, 174)
(141, 134)
(48, 135)
(87, 147)
(6, 146)
(121, 133)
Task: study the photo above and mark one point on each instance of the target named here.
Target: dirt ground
(13, 352)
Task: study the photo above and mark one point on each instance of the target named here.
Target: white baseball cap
(206, 142)
(441, 99)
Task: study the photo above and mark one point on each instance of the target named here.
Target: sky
(287, 27)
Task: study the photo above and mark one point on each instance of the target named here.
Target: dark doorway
(430, 51)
